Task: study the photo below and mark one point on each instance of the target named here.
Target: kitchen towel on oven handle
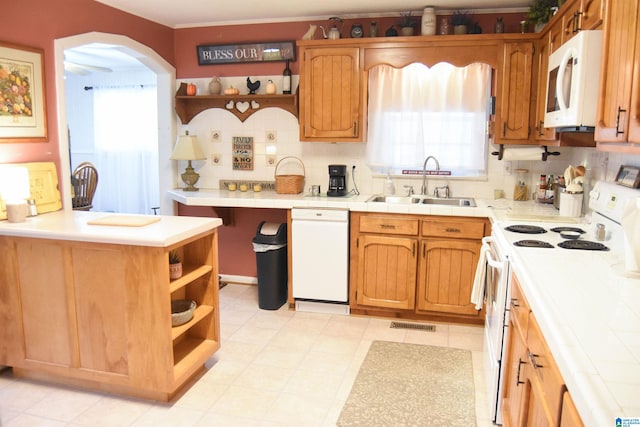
(487, 256)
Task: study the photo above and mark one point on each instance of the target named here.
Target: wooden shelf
(201, 312)
(191, 273)
(190, 355)
(242, 106)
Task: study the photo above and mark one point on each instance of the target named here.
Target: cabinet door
(542, 133)
(11, 338)
(634, 116)
(619, 45)
(447, 269)
(515, 94)
(513, 392)
(592, 13)
(570, 21)
(570, 416)
(537, 412)
(330, 91)
(386, 271)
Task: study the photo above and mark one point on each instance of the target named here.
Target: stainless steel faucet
(423, 189)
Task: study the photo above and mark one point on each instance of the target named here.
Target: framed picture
(22, 101)
(246, 52)
(629, 176)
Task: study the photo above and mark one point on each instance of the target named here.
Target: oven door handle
(487, 242)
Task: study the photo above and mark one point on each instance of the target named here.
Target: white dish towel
(477, 293)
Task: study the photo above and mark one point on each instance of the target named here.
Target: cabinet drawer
(519, 307)
(457, 229)
(389, 225)
(544, 368)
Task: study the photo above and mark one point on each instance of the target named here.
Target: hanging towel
(477, 293)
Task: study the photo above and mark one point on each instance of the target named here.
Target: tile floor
(275, 368)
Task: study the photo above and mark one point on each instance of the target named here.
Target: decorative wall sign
(242, 151)
(22, 102)
(246, 52)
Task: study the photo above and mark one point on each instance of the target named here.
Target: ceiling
(195, 13)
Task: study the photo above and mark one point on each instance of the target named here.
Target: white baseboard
(242, 280)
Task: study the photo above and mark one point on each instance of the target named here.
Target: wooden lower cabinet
(415, 266)
(387, 271)
(99, 315)
(534, 393)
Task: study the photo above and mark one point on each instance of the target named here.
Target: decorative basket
(289, 184)
(182, 311)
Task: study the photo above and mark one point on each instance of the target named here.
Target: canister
(570, 204)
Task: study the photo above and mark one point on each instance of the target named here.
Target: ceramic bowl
(571, 235)
(182, 311)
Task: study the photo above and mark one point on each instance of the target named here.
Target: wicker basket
(289, 184)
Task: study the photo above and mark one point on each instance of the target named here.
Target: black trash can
(270, 246)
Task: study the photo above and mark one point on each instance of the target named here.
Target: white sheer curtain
(417, 111)
(126, 149)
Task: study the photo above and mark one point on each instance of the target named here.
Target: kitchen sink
(396, 200)
(408, 200)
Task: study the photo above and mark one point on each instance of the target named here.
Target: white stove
(607, 201)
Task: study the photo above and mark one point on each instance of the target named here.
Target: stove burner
(583, 244)
(563, 229)
(526, 229)
(532, 244)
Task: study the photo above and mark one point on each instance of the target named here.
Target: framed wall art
(629, 176)
(22, 95)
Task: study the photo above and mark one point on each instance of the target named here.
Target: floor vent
(417, 326)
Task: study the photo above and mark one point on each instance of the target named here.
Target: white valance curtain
(126, 148)
(417, 111)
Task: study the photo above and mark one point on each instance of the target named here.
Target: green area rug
(412, 385)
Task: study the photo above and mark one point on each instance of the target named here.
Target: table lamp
(187, 148)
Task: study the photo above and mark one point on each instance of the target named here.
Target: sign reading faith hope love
(247, 52)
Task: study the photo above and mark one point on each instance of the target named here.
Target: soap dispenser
(389, 188)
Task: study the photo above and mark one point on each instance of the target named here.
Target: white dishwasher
(320, 254)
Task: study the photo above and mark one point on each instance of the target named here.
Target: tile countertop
(72, 225)
(586, 305)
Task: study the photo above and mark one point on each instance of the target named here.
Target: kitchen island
(90, 305)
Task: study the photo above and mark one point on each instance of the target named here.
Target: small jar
(444, 26)
(428, 21)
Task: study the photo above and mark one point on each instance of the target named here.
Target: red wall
(236, 254)
(37, 23)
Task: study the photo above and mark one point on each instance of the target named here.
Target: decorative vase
(175, 271)
(459, 29)
(407, 31)
(215, 86)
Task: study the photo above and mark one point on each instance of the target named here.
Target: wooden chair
(85, 181)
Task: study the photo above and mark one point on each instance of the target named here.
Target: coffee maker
(337, 181)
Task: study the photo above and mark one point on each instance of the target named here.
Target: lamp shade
(187, 148)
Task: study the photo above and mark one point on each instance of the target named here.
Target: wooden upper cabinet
(634, 109)
(616, 87)
(592, 14)
(541, 133)
(513, 112)
(570, 21)
(330, 92)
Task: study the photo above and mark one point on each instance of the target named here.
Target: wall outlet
(507, 167)
(216, 136)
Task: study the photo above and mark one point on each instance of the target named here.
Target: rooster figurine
(253, 86)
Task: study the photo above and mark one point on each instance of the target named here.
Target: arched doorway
(165, 74)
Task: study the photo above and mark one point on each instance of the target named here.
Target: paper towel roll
(522, 153)
(631, 231)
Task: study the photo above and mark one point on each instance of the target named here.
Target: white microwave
(573, 80)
